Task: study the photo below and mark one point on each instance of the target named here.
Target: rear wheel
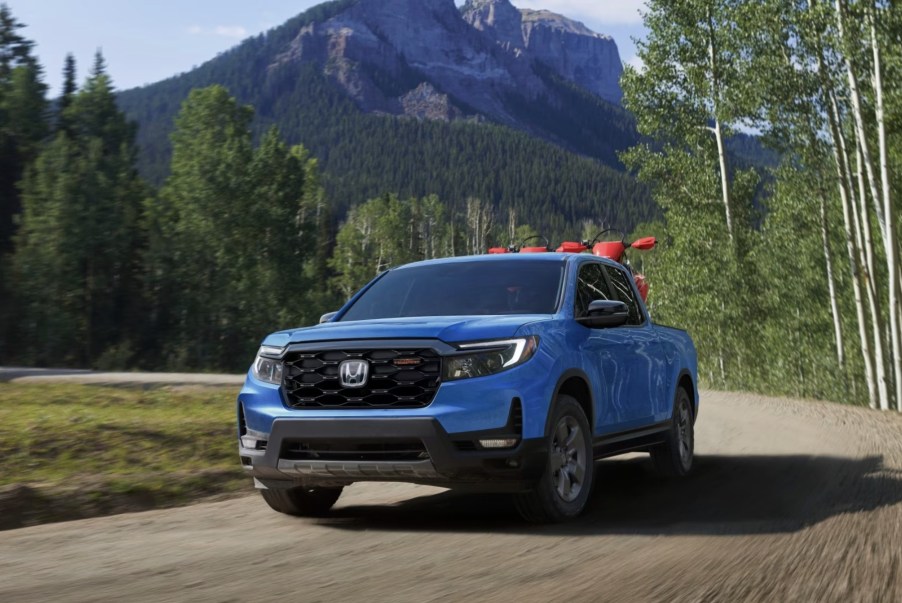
(303, 501)
(675, 457)
(563, 490)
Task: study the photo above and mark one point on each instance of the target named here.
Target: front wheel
(563, 490)
(303, 501)
(675, 457)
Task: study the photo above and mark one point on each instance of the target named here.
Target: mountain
(569, 48)
(476, 57)
(420, 96)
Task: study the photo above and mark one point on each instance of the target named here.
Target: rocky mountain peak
(558, 22)
(574, 51)
(498, 18)
(568, 47)
(474, 59)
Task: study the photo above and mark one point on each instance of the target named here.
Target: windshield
(475, 288)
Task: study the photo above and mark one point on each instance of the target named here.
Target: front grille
(397, 379)
(354, 450)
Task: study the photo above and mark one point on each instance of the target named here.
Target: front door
(626, 359)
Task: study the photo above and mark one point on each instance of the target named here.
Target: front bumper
(447, 460)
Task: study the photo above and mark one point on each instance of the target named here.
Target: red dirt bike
(613, 250)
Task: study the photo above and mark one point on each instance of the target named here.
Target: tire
(302, 501)
(675, 457)
(564, 488)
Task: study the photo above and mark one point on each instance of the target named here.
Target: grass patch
(114, 447)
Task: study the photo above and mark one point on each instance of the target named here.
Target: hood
(450, 329)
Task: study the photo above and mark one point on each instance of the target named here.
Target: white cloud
(226, 31)
(230, 31)
(611, 12)
(636, 62)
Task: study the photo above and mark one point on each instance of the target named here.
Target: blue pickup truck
(495, 373)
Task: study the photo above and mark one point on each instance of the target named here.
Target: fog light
(499, 443)
(253, 443)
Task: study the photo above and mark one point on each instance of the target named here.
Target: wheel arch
(574, 383)
(684, 381)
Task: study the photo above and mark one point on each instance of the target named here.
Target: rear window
(476, 288)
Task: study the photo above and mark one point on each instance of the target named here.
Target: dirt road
(791, 501)
(140, 380)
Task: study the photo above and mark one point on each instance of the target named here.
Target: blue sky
(144, 42)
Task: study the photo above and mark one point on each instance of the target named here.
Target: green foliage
(68, 94)
(377, 235)
(145, 432)
(76, 266)
(238, 224)
(23, 124)
(696, 281)
(763, 317)
(388, 231)
(110, 450)
(797, 332)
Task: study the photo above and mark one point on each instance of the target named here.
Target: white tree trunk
(512, 224)
(890, 239)
(718, 128)
(453, 247)
(866, 253)
(858, 120)
(840, 156)
(898, 314)
(724, 177)
(831, 287)
(899, 320)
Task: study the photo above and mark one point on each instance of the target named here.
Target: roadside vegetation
(788, 278)
(70, 451)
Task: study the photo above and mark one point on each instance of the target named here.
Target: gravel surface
(790, 501)
(141, 380)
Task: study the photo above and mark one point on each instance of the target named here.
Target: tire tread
(538, 504)
(666, 456)
(301, 501)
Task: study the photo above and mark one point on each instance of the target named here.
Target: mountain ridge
(572, 50)
(475, 54)
(348, 77)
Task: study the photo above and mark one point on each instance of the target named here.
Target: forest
(798, 294)
(785, 272)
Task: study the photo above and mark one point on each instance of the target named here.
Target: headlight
(489, 357)
(268, 365)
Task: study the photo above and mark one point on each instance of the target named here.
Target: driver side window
(592, 285)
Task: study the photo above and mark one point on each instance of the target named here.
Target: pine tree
(77, 252)
(23, 119)
(70, 87)
(23, 125)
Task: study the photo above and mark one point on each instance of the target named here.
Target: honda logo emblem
(353, 373)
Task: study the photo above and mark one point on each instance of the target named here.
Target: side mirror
(605, 313)
(327, 317)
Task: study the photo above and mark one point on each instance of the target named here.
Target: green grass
(108, 446)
